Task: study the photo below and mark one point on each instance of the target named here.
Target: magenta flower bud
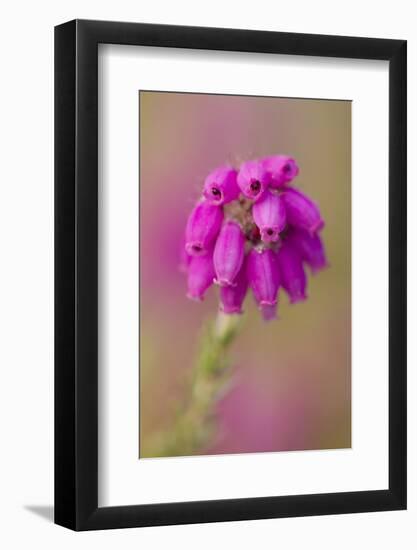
(253, 179)
(310, 247)
(269, 215)
(232, 296)
(203, 226)
(292, 275)
(200, 276)
(302, 211)
(229, 252)
(263, 277)
(282, 170)
(220, 186)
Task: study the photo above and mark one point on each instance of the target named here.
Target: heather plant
(252, 231)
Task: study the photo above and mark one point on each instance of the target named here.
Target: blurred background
(292, 386)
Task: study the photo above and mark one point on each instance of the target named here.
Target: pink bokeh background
(292, 388)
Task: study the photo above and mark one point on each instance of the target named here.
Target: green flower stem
(210, 379)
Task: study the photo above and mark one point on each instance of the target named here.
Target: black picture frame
(76, 272)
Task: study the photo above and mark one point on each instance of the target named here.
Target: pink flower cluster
(252, 229)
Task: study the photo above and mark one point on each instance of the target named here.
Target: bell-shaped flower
(200, 276)
(220, 186)
(232, 296)
(291, 271)
(310, 247)
(229, 252)
(263, 277)
(281, 168)
(253, 179)
(252, 229)
(203, 226)
(270, 216)
(302, 211)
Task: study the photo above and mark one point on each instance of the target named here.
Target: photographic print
(245, 274)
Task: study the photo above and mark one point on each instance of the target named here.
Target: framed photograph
(230, 254)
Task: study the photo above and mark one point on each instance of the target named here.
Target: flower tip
(195, 297)
(269, 215)
(300, 297)
(223, 282)
(270, 234)
(229, 310)
(290, 170)
(268, 311)
(282, 170)
(194, 248)
(317, 269)
(213, 195)
(253, 179)
(220, 186)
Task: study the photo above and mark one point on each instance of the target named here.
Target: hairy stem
(194, 420)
